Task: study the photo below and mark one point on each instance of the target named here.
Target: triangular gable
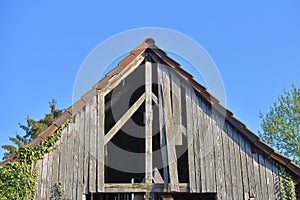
(128, 65)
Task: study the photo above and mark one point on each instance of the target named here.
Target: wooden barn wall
(74, 163)
(220, 159)
(225, 163)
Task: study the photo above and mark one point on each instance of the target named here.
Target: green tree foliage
(18, 179)
(281, 125)
(32, 129)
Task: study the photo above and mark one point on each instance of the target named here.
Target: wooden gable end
(147, 128)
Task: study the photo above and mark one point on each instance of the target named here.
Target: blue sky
(255, 45)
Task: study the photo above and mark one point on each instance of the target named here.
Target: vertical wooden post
(171, 150)
(100, 138)
(148, 124)
(163, 140)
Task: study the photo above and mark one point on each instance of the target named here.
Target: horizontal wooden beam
(112, 132)
(140, 187)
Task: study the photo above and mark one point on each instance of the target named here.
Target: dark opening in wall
(158, 196)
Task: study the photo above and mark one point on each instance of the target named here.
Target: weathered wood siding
(220, 159)
(74, 164)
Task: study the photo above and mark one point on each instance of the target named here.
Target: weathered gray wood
(276, 182)
(138, 187)
(270, 181)
(75, 150)
(257, 176)
(250, 168)
(69, 161)
(62, 158)
(172, 159)
(198, 183)
(44, 177)
(244, 169)
(202, 133)
(55, 163)
(86, 149)
(209, 147)
(81, 159)
(220, 176)
(262, 171)
(234, 171)
(157, 178)
(115, 80)
(148, 124)
(100, 139)
(176, 105)
(93, 136)
(113, 131)
(49, 174)
(162, 128)
(154, 98)
(39, 181)
(190, 139)
(227, 170)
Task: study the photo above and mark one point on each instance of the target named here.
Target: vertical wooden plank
(238, 171)
(148, 124)
(172, 159)
(81, 122)
(55, 164)
(176, 105)
(44, 177)
(62, 158)
(270, 181)
(49, 175)
(75, 148)
(257, 176)
(202, 124)
(232, 158)
(100, 141)
(162, 128)
(262, 171)
(190, 139)
(39, 181)
(196, 145)
(245, 178)
(69, 161)
(227, 170)
(209, 147)
(276, 182)
(250, 168)
(220, 177)
(92, 144)
(86, 148)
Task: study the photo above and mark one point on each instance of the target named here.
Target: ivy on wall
(18, 179)
(287, 187)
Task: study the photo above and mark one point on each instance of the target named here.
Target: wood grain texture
(92, 144)
(190, 139)
(172, 159)
(198, 183)
(148, 124)
(163, 139)
(100, 141)
(220, 175)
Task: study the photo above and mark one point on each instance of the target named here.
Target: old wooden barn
(148, 130)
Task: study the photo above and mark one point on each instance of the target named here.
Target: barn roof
(149, 43)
